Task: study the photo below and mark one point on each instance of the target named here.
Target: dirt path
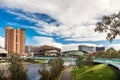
(67, 74)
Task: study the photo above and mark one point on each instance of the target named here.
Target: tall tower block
(15, 40)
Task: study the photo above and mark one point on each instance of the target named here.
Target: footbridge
(66, 59)
(49, 58)
(110, 62)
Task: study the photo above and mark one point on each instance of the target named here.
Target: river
(32, 70)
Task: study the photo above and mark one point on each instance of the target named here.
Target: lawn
(40, 61)
(97, 72)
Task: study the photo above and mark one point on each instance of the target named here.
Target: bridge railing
(114, 62)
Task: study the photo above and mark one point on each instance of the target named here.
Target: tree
(56, 65)
(17, 72)
(118, 54)
(89, 60)
(2, 75)
(100, 54)
(110, 24)
(111, 53)
(43, 74)
(80, 61)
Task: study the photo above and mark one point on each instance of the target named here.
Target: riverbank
(98, 72)
(36, 61)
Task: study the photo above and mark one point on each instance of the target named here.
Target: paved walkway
(67, 74)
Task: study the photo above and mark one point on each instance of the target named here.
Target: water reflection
(32, 70)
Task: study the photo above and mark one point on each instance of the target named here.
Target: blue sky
(58, 22)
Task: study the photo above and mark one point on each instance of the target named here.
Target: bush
(80, 61)
(84, 61)
(43, 73)
(2, 75)
(17, 72)
(56, 66)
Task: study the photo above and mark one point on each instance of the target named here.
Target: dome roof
(3, 51)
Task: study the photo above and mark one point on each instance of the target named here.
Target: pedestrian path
(67, 74)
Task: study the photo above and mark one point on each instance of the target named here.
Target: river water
(32, 70)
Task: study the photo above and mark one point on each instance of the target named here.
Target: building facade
(31, 48)
(45, 49)
(3, 53)
(15, 40)
(90, 49)
(100, 49)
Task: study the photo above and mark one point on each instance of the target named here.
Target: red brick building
(15, 40)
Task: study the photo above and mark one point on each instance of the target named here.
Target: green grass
(59, 76)
(98, 72)
(36, 61)
(40, 61)
(61, 73)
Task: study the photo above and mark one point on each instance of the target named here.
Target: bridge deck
(113, 62)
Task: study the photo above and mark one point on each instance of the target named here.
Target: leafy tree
(109, 24)
(89, 60)
(118, 54)
(111, 53)
(83, 61)
(80, 61)
(100, 54)
(61, 62)
(43, 74)
(17, 72)
(2, 75)
(56, 65)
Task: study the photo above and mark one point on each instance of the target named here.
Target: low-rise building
(45, 49)
(91, 49)
(31, 49)
(73, 53)
(3, 53)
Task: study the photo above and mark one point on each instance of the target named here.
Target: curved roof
(3, 51)
(46, 47)
(43, 49)
(77, 53)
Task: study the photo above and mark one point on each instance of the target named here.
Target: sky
(60, 23)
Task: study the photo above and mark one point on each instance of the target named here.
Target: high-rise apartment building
(15, 40)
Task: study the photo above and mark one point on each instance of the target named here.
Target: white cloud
(68, 47)
(115, 46)
(77, 17)
(47, 41)
(65, 47)
(2, 41)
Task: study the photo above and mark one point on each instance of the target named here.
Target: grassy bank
(61, 73)
(40, 61)
(98, 72)
(36, 61)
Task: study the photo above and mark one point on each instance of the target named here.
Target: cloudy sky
(61, 23)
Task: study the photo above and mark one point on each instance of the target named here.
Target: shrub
(56, 66)
(17, 72)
